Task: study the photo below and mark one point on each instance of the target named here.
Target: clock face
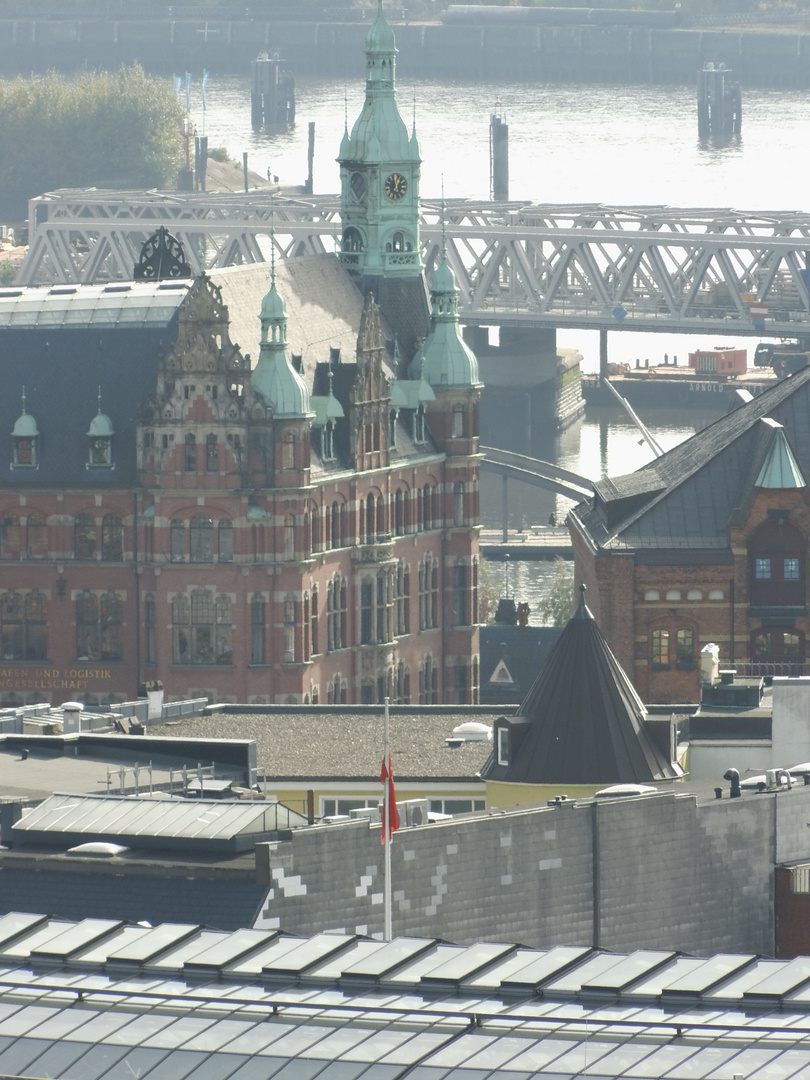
(395, 186)
(358, 185)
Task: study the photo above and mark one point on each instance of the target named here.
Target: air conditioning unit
(413, 812)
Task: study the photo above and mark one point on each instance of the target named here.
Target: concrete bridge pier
(530, 386)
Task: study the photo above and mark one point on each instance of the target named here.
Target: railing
(768, 669)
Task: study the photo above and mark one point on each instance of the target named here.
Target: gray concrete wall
(670, 874)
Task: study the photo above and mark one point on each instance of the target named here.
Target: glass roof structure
(212, 824)
(117, 304)
(98, 1000)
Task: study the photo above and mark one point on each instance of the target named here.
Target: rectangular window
(366, 601)
(257, 630)
(289, 632)
(791, 569)
(660, 648)
(762, 569)
(503, 746)
(456, 806)
(149, 620)
(685, 648)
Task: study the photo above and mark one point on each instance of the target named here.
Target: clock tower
(379, 175)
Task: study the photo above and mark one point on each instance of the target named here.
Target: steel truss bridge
(590, 267)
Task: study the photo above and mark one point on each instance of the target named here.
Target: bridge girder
(595, 267)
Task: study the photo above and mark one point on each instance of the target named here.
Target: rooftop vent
(469, 731)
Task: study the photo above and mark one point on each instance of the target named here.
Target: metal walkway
(594, 267)
(538, 473)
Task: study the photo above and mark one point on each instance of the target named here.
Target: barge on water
(711, 375)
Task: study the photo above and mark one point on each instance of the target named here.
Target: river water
(615, 145)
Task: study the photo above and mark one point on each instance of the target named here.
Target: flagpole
(389, 835)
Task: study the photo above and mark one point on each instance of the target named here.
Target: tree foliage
(557, 606)
(105, 129)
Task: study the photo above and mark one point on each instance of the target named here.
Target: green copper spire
(274, 378)
(444, 359)
(379, 171)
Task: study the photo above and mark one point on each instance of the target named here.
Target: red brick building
(302, 529)
(708, 543)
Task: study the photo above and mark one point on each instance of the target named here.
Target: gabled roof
(686, 498)
(581, 722)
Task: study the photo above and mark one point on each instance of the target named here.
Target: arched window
(427, 508)
(371, 519)
(314, 623)
(225, 538)
(315, 543)
(289, 630)
(112, 538)
(779, 649)
(352, 240)
(24, 626)
(177, 540)
(660, 649)
(37, 536)
(336, 613)
(190, 462)
(288, 451)
(457, 430)
(399, 513)
(685, 648)
(428, 593)
(10, 537)
(776, 559)
(201, 539)
(84, 536)
(403, 599)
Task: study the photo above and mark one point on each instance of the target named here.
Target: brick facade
(248, 562)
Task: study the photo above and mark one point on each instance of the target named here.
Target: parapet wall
(659, 872)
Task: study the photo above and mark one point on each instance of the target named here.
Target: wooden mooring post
(272, 92)
(719, 102)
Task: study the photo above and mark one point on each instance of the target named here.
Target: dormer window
(328, 441)
(419, 425)
(25, 439)
(503, 746)
(100, 435)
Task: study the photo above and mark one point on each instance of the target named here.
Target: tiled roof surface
(303, 744)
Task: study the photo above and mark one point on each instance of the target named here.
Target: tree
(557, 606)
(107, 129)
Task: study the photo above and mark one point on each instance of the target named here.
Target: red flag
(387, 773)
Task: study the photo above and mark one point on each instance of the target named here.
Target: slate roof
(523, 650)
(687, 498)
(61, 346)
(309, 744)
(582, 722)
(324, 307)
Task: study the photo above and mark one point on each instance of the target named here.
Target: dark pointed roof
(581, 722)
